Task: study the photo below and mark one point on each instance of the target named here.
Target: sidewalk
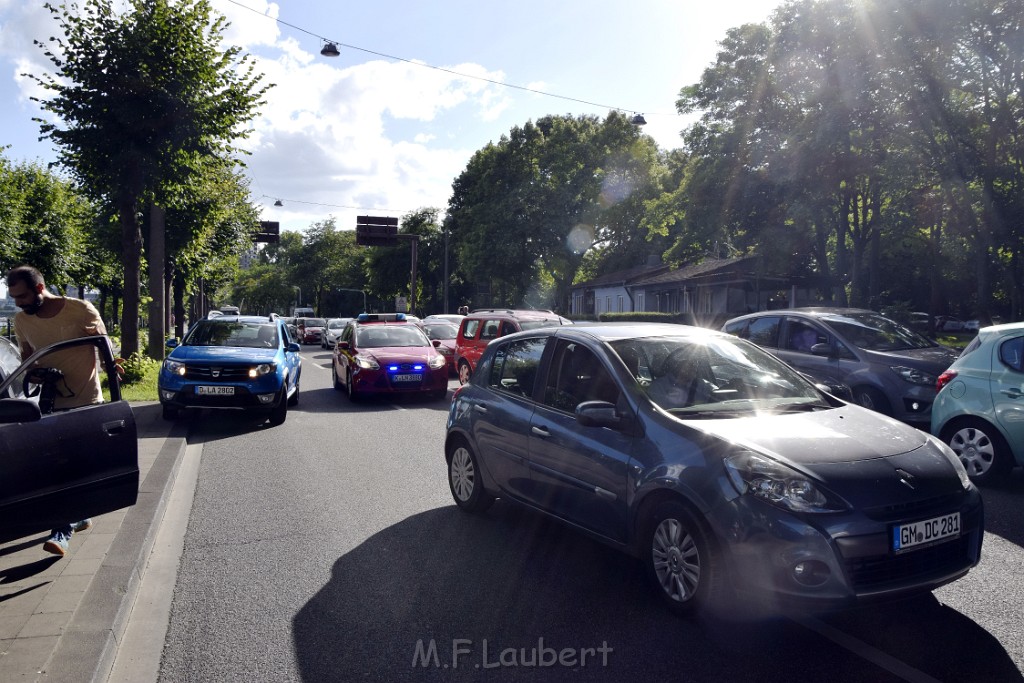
(61, 619)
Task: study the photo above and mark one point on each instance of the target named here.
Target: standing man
(45, 319)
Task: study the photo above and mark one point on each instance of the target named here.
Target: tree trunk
(155, 264)
(131, 253)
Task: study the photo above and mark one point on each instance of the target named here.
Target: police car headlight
(437, 362)
(174, 367)
(367, 363)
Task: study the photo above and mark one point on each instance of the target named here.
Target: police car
(385, 353)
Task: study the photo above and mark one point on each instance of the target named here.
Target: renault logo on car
(906, 478)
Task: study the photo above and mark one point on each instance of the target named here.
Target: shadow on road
(448, 596)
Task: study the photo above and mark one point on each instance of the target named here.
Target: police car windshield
(379, 336)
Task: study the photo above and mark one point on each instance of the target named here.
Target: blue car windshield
(715, 377)
(241, 334)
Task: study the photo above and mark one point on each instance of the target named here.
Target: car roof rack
(512, 311)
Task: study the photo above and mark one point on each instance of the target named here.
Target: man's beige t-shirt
(76, 319)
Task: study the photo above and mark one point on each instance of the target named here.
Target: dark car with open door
(63, 464)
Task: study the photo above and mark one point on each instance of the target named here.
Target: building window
(620, 309)
(705, 300)
(639, 301)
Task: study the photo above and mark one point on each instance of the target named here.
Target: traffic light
(376, 231)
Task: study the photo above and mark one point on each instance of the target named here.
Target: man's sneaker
(57, 544)
(84, 525)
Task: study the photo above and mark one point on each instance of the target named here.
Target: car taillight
(944, 379)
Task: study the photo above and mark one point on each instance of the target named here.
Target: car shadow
(1002, 507)
(444, 595)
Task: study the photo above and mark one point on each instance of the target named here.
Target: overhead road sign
(376, 231)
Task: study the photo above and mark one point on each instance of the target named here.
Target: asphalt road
(328, 549)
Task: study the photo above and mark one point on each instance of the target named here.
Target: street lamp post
(363, 291)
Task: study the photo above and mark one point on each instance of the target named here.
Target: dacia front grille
(217, 373)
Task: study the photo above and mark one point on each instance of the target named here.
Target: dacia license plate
(925, 532)
(405, 378)
(215, 391)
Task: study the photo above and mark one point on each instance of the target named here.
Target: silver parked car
(887, 366)
(335, 326)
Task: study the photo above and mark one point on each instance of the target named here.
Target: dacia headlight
(953, 459)
(759, 476)
(437, 362)
(174, 367)
(262, 369)
(367, 362)
(914, 376)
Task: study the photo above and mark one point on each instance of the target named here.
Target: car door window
(507, 328)
(490, 330)
(469, 331)
(515, 365)
(1011, 353)
(801, 337)
(764, 331)
(577, 375)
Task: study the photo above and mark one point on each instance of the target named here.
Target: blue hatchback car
(240, 362)
(715, 463)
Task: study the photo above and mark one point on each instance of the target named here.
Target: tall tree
(139, 97)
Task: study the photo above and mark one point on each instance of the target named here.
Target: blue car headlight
(174, 367)
(914, 376)
(756, 475)
(262, 369)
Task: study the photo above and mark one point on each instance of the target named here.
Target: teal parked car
(979, 410)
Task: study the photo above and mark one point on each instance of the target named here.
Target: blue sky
(368, 134)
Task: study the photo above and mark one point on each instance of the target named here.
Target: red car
(310, 330)
(383, 353)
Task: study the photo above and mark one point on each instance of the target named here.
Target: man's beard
(33, 308)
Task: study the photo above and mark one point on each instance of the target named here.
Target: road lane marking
(865, 651)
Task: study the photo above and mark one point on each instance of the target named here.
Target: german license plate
(925, 532)
(405, 378)
(215, 391)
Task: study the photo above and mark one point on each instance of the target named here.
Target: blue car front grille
(217, 373)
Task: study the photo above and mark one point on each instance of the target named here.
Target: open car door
(60, 466)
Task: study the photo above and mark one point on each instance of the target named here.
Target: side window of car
(764, 331)
(507, 328)
(577, 375)
(1011, 353)
(469, 331)
(800, 337)
(490, 330)
(515, 366)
